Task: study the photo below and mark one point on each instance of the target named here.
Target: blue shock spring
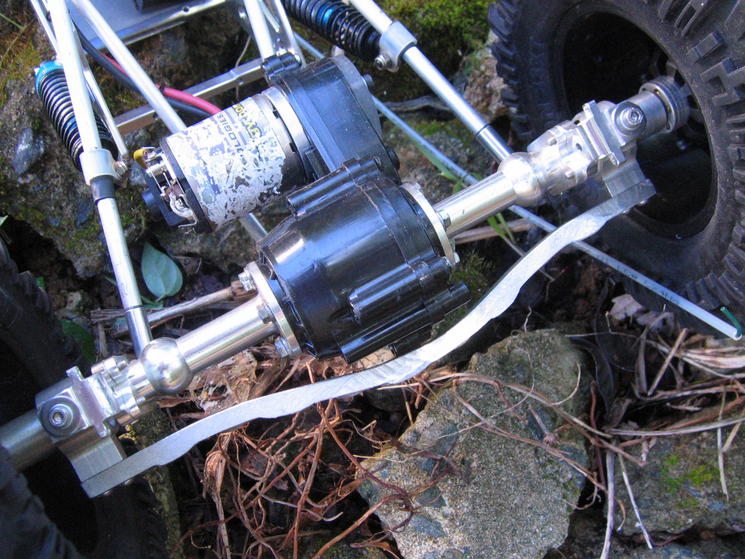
(55, 96)
(341, 24)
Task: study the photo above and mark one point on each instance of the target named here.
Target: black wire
(127, 82)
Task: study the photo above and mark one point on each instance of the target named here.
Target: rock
(28, 151)
(718, 550)
(476, 492)
(483, 87)
(230, 247)
(341, 550)
(679, 486)
(587, 530)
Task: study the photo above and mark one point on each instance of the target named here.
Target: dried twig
(667, 361)
(610, 466)
(626, 482)
(720, 452)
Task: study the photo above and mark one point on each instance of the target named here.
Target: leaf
(161, 274)
(2, 219)
(82, 336)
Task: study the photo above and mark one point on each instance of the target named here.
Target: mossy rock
(679, 486)
(446, 31)
(480, 490)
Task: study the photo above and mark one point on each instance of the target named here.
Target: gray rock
(229, 247)
(587, 530)
(474, 492)
(29, 149)
(679, 486)
(453, 140)
(483, 87)
(716, 549)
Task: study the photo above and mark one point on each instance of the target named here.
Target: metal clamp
(394, 42)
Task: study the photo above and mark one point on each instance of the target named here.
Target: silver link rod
(260, 28)
(129, 292)
(119, 50)
(284, 29)
(68, 47)
(69, 54)
(481, 129)
(415, 58)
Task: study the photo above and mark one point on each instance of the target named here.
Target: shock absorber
(52, 88)
(341, 24)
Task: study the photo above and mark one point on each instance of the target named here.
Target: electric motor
(306, 124)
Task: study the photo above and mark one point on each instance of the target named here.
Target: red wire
(177, 94)
(193, 100)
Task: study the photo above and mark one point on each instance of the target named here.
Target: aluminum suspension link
(98, 170)
(397, 370)
(399, 43)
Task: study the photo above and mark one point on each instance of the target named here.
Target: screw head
(381, 61)
(282, 348)
(631, 119)
(60, 416)
(247, 281)
(634, 116)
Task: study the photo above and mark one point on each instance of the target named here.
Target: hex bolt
(247, 281)
(283, 349)
(60, 416)
(381, 61)
(631, 119)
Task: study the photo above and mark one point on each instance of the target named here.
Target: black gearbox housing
(358, 265)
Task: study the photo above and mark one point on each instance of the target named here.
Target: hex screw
(283, 349)
(247, 281)
(381, 61)
(631, 119)
(60, 416)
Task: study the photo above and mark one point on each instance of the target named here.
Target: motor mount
(305, 125)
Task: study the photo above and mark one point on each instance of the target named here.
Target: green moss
(449, 24)
(446, 30)
(674, 480)
(689, 503)
(118, 97)
(19, 57)
(429, 127)
(702, 475)
(474, 271)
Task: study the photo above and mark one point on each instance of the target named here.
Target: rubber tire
(706, 42)
(34, 353)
